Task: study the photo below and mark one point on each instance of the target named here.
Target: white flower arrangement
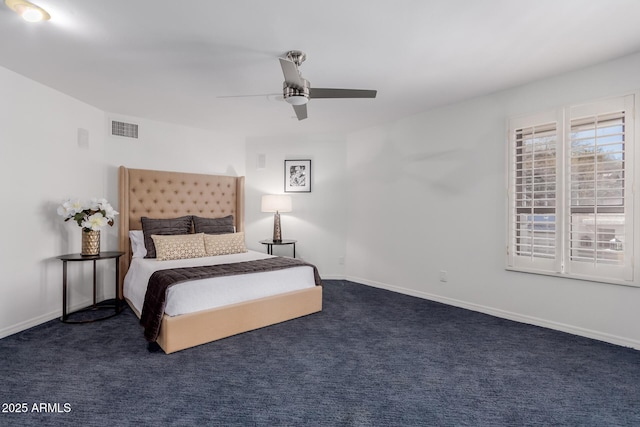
(91, 216)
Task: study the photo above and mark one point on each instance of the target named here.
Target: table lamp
(277, 204)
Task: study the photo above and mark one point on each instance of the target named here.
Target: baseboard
(30, 323)
(571, 329)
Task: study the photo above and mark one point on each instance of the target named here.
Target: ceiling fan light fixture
(297, 99)
(28, 11)
(296, 95)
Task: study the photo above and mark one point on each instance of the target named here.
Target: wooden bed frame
(160, 194)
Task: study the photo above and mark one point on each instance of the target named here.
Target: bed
(163, 195)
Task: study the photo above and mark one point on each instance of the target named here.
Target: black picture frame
(297, 176)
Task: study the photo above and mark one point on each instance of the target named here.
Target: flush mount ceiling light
(28, 11)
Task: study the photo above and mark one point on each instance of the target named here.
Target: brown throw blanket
(155, 299)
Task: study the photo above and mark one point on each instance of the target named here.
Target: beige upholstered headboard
(160, 194)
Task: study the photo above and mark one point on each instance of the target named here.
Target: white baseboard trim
(30, 323)
(571, 329)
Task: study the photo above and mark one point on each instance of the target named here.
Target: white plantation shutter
(535, 194)
(570, 182)
(599, 220)
(533, 177)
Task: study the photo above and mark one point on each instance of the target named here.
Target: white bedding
(197, 295)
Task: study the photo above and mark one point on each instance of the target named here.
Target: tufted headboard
(160, 194)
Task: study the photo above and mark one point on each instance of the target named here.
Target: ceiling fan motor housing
(296, 95)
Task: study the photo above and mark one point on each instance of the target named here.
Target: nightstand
(270, 243)
(116, 307)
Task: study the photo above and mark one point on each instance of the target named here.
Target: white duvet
(197, 295)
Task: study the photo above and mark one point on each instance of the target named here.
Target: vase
(90, 242)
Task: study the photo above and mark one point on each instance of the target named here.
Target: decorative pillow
(179, 246)
(224, 244)
(213, 225)
(137, 244)
(163, 227)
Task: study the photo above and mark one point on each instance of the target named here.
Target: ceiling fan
(297, 91)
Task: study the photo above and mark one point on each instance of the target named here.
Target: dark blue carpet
(372, 357)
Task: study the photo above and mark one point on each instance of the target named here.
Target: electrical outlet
(341, 260)
(443, 276)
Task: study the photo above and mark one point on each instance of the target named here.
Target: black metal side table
(270, 243)
(116, 306)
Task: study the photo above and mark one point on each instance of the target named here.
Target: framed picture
(297, 176)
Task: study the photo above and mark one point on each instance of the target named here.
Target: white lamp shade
(276, 203)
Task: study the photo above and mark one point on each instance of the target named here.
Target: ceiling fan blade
(291, 74)
(341, 93)
(301, 111)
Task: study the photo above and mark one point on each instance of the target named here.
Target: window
(571, 192)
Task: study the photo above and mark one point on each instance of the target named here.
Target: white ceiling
(173, 60)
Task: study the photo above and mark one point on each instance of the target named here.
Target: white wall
(428, 194)
(170, 147)
(318, 219)
(42, 163)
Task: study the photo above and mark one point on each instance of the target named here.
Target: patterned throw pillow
(179, 246)
(224, 244)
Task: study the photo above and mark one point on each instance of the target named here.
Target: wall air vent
(128, 130)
